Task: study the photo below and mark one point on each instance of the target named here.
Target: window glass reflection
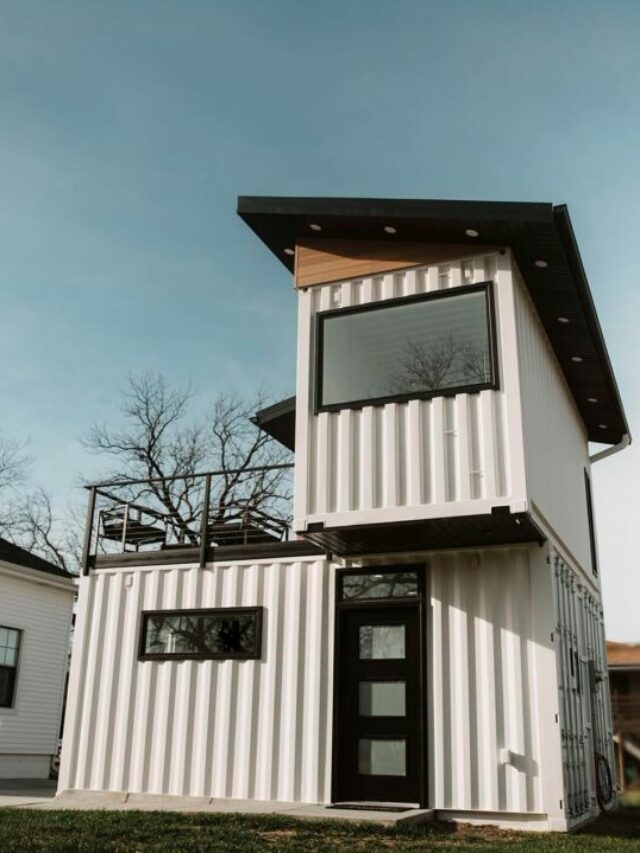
(383, 585)
(382, 757)
(418, 347)
(382, 699)
(382, 642)
(212, 633)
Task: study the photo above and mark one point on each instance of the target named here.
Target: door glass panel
(382, 757)
(383, 585)
(382, 699)
(382, 642)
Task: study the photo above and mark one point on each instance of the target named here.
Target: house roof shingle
(11, 553)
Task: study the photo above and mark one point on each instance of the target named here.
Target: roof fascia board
(35, 576)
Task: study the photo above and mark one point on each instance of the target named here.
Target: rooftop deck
(201, 517)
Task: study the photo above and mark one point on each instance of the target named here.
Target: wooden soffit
(322, 261)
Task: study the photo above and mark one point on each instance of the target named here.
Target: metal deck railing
(228, 507)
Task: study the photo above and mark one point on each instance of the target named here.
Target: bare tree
(27, 516)
(160, 441)
(447, 362)
(14, 468)
(51, 534)
(14, 463)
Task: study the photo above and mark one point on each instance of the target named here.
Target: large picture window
(9, 651)
(198, 634)
(415, 347)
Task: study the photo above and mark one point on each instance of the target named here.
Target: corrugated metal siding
(422, 454)
(490, 669)
(43, 613)
(242, 729)
(585, 719)
(555, 439)
(262, 729)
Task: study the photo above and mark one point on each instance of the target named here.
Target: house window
(384, 584)
(592, 530)
(200, 634)
(9, 651)
(434, 344)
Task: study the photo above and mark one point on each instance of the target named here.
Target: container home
(36, 602)
(423, 629)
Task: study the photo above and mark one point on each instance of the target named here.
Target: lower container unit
(428, 679)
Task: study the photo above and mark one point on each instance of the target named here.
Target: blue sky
(127, 130)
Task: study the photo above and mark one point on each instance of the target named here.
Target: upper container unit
(442, 347)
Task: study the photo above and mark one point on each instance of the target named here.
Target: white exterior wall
(262, 729)
(421, 459)
(492, 708)
(494, 735)
(555, 439)
(40, 606)
(255, 729)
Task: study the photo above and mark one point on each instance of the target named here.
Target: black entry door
(379, 714)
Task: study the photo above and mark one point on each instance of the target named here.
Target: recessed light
(471, 232)
(592, 399)
(315, 227)
(563, 320)
(576, 358)
(390, 229)
(542, 265)
(603, 426)
(289, 251)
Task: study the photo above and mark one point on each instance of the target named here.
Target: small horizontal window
(9, 651)
(380, 585)
(199, 634)
(434, 344)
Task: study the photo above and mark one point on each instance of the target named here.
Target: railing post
(125, 524)
(88, 530)
(204, 522)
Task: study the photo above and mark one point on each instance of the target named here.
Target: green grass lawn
(26, 829)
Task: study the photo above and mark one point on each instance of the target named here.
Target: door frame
(420, 602)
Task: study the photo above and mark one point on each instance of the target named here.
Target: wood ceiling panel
(320, 261)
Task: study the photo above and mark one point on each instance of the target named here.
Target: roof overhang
(279, 421)
(499, 527)
(533, 232)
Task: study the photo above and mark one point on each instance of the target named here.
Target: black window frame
(590, 521)
(416, 569)
(388, 568)
(244, 611)
(14, 684)
(493, 383)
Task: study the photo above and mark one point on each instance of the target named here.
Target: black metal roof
(11, 553)
(279, 420)
(533, 231)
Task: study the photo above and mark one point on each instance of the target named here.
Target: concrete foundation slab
(120, 801)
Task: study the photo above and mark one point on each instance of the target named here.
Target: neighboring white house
(432, 635)
(36, 602)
